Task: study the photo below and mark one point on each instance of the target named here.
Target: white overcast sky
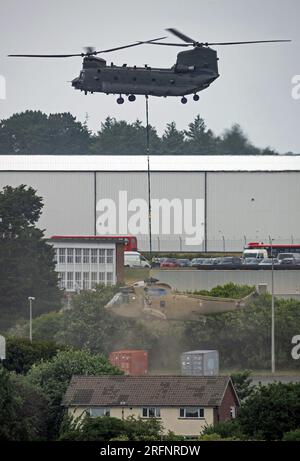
(254, 89)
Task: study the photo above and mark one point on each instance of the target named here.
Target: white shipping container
(200, 363)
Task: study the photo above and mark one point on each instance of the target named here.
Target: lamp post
(30, 299)
(272, 312)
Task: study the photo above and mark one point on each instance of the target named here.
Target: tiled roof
(146, 390)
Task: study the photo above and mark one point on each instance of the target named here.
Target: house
(183, 404)
(84, 261)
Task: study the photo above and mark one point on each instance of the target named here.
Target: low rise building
(82, 262)
(185, 405)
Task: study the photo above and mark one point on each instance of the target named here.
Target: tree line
(33, 132)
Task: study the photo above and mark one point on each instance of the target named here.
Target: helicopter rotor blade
(45, 55)
(245, 43)
(169, 44)
(129, 46)
(182, 36)
(89, 51)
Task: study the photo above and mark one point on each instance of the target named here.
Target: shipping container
(132, 362)
(200, 363)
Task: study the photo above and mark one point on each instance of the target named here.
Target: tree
(27, 265)
(23, 409)
(200, 140)
(235, 142)
(53, 377)
(21, 353)
(242, 383)
(120, 138)
(9, 403)
(251, 347)
(173, 141)
(33, 132)
(271, 411)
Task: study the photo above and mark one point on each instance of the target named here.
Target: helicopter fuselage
(193, 72)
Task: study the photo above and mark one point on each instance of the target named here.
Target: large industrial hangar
(199, 203)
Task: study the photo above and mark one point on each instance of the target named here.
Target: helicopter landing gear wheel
(183, 100)
(120, 100)
(131, 98)
(196, 97)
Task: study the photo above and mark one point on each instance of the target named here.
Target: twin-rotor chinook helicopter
(194, 71)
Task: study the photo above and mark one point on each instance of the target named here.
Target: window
(101, 256)
(78, 255)
(101, 277)
(94, 253)
(62, 279)
(151, 412)
(109, 278)
(99, 411)
(70, 280)
(86, 280)
(93, 279)
(62, 255)
(86, 256)
(232, 412)
(191, 412)
(78, 282)
(55, 255)
(110, 256)
(70, 258)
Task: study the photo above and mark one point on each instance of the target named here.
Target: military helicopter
(193, 71)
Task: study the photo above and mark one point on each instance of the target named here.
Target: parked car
(135, 259)
(268, 262)
(250, 261)
(169, 262)
(197, 261)
(289, 258)
(230, 261)
(184, 262)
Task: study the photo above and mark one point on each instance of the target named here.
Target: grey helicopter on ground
(193, 71)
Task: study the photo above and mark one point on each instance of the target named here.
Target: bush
(229, 290)
(108, 428)
(292, 436)
(228, 429)
(271, 411)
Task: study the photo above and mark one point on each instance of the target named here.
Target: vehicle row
(135, 259)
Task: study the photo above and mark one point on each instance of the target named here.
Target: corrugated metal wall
(252, 206)
(68, 199)
(241, 206)
(170, 186)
